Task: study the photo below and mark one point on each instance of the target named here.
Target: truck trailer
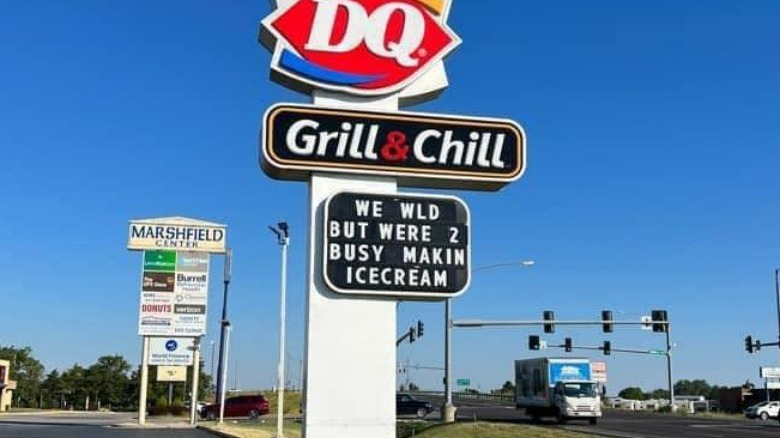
(557, 387)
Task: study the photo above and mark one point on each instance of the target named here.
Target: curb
(215, 432)
(152, 426)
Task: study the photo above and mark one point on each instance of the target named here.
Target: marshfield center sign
(176, 233)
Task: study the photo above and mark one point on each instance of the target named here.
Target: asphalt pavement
(92, 425)
(618, 423)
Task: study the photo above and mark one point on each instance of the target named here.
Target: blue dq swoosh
(296, 64)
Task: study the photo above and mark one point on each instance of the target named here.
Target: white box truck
(557, 387)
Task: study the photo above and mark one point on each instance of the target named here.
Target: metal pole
(144, 380)
(669, 366)
(284, 242)
(223, 375)
(195, 377)
(221, 363)
(170, 394)
(448, 412)
(211, 370)
(777, 295)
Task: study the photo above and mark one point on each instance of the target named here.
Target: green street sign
(464, 382)
(160, 261)
(662, 352)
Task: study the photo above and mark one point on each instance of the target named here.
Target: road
(622, 424)
(86, 425)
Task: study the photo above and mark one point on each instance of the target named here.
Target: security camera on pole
(369, 245)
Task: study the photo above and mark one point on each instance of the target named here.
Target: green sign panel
(160, 261)
(464, 382)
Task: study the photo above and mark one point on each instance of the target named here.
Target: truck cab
(577, 399)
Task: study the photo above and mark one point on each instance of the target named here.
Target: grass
(416, 429)
(292, 402)
(253, 429)
(492, 430)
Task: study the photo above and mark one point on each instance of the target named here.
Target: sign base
(349, 391)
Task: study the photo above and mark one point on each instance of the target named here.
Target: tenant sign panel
(171, 351)
(174, 293)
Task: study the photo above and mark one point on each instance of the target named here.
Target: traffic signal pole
(669, 367)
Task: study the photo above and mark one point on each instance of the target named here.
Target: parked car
(406, 404)
(764, 410)
(198, 406)
(251, 406)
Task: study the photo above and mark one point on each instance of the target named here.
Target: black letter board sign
(413, 247)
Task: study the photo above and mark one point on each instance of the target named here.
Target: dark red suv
(251, 406)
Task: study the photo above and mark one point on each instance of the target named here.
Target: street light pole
(669, 367)
(777, 295)
(448, 411)
(283, 238)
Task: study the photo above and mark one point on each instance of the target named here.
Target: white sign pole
(144, 380)
(195, 376)
(224, 376)
(350, 349)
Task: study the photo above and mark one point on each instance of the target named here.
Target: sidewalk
(157, 422)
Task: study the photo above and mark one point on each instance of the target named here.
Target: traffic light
(420, 327)
(412, 336)
(533, 342)
(757, 345)
(658, 315)
(567, 345)
(606, 320)
(549, 315)
(749, 344)
(607, 348)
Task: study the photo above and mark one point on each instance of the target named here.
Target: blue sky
(652, 178)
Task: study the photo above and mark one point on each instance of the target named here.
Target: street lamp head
(285, 229)
(528, 262)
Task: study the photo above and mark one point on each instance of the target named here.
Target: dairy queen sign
(369, 245)
(364, 47)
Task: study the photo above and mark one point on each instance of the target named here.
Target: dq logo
(366, 47)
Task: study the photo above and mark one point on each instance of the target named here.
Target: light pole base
(448, 413)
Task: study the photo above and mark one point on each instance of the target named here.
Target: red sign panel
(365, 47)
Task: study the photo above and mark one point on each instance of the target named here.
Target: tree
(76, 386)
(631, 393)
(28, 373)
(660, 394)
(109, 378)
(508, 388)
(715, 392)
(51, 391)
(692, 387)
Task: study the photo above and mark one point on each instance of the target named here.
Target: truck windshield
(579, 389)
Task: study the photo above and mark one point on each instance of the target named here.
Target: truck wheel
(561, 418)
(593, 421)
